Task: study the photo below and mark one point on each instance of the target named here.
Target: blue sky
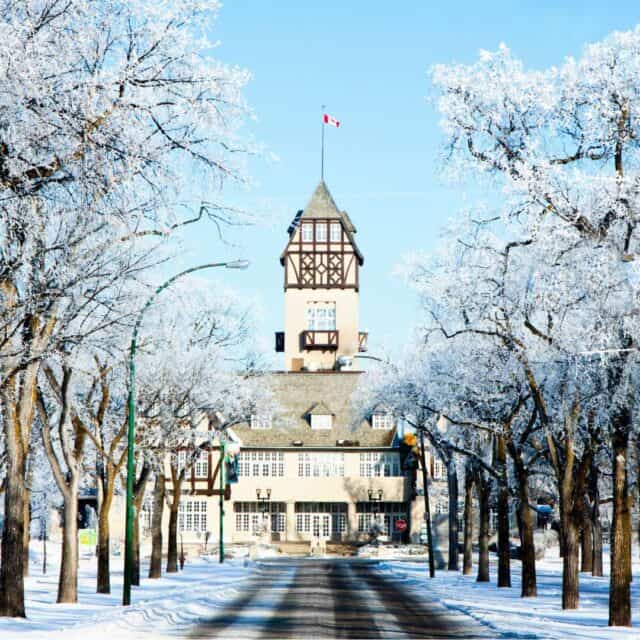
(368, 62)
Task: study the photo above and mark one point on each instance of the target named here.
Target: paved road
(332, 599)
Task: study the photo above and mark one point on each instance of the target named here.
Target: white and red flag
(327, 119)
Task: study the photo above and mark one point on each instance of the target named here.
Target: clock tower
(321, 286)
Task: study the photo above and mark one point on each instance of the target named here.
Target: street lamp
(376, 498)
(128, 550)
(263, 499)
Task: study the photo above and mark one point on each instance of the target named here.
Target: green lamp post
(128, 551)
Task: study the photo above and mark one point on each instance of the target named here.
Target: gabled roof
(320, 409)
(294, 393)
(322, 206)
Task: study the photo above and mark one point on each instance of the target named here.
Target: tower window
(335, 231)
(307, 232)
(321, 232)
(321, 317)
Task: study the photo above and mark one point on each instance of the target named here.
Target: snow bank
(510, 616)
(161, 608)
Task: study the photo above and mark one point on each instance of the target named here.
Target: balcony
(363, 339)
(325, 340)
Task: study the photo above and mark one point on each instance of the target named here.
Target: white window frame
(383, 421)
(375, 464)
(312, 464)
(321, 421)
(306, 231)
(439, 469)
(335, 232)
(261, 421)
(201, 467)
(192, 516)
(261, 464)
(321, 316)
(182, 460)
(321, 232)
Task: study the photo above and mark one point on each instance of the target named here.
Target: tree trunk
(27, 528)
(482, 487)
(570, 574)
(11, 568)
(467, 563)
(620, 583)
(172, 550)
(68, 579)
(155, 566)
(452, 486)
(104, 540)
(596, 524)
(586, 539)
(138, 498)
(504, 557)
(527, 546)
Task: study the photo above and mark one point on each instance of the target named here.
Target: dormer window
(307, 232)
(261, 421)
(383, 421)
(321, 421)
(320, 416)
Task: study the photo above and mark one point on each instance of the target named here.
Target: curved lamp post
(128, 551)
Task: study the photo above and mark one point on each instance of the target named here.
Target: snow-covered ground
(171, 606)
(160, 608)
(512, 617)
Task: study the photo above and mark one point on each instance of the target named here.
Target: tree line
(110, 113)
(528, 344)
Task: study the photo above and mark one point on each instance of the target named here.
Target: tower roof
(322, 206)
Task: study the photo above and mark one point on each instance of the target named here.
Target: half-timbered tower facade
(321, 286)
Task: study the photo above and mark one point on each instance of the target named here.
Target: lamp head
(237, 264)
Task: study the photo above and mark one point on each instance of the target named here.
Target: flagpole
(322, 147)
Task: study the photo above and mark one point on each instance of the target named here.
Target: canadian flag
(327, 119)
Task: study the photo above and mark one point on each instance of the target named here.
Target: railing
(319, 339)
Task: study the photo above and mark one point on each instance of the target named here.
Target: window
(144, 516)
(307, 232)
(321, 316)
(261, 464)
(438, 469)
(192, 515)
(375, 464)
(182, 460)
(322, 421)
(261, 421)
(335, 231)
(384, 513)
(383, 421)
(441, 507)
(320, 465)
(333, 512)
(321, 231)
(250, 516)
(202, 465)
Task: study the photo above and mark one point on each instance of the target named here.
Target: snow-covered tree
(562, 144)
(104, 108)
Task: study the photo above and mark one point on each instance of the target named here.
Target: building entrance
(321, 525)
